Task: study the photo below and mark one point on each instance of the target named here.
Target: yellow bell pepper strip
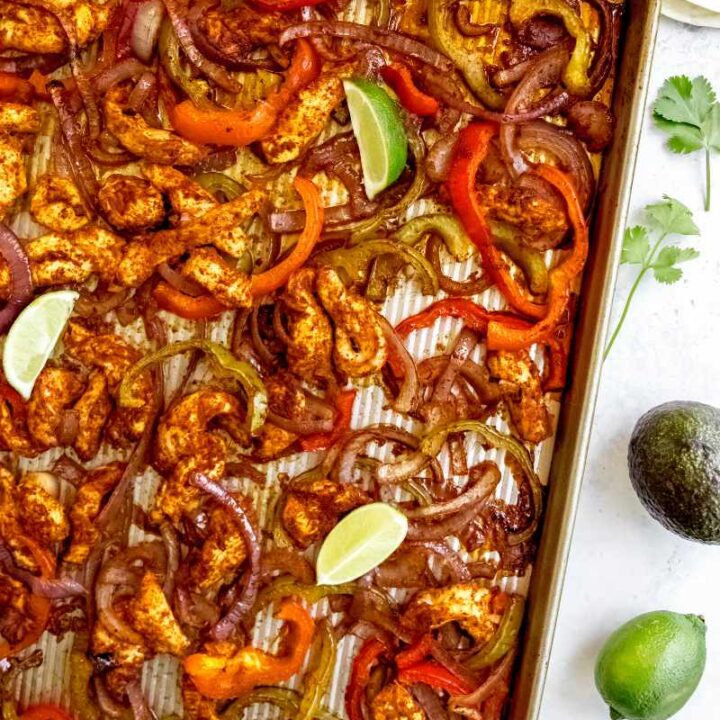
(470, 151)
(186, 306)
(278, 275)
(38, 607)
(500, 336)
(240, 370)
(220, 677)
(242, 127)
(576, 76)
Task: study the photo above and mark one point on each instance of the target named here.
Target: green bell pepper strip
(286, 700)
(215, 182)
(447, 226)
(530, 261)
(576, 76)
(169, 54)
(81, 672)
(285, 586)
(317, 681)
(448, 40)
(240, 370)
(356, 260)
(504, 638)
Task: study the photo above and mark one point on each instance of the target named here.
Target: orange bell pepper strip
(435, 675)
(278, 275)
(15, 89)
(500, 335)
(221, 677)
(470, 151)
(321, 441)
(412, 98)
(45, 712)
(242, 127)
(186, 306)
(39, 83)
(38, 607)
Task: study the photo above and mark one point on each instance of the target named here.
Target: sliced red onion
(21, 287)
(45, 64)
(138, 703)
(146, 28)
(93, 305)
(142, 92)
(227, 625)
(395, 41)
(108, 705)
(484, 691)
(464, 345)
(301, 426)
(409, 394)
(452, 560)
(128, 69)
(474, 285)
(172, 550)
(430, 702)
(54, 588)
(289, 221)
(439, 157)
(69, 427)
(287, 561)
(179, 281)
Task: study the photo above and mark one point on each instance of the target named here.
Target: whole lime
(650, 666)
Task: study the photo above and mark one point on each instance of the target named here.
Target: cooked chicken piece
(195, 705)
(222, 553)
(312, 510)
(272, 441)
(98, 484)
(207, 268)
(43, 516)
(526, 403)
(241, 29)
(286, 399)
(223, 226)
(150, 614)
(395, 702)
(360, 344)
(466, 604)
(126, 658)
(56, 389)
(542, 222)
(18, 118)
(93, 410)
(56, 203)
(69, 257)
(134, 134)
(310, 350)
(14, 434)
(15, 618)
(130, 203)
(188, 198)
(36, 30)
(306, 116)
(13, 181)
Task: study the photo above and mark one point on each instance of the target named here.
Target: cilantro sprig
(664, 219)
(689, 112)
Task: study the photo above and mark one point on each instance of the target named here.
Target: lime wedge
(379, 132)
(360, 542)
(33, 336)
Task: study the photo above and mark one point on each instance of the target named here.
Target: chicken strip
(526, 401)
(312, 510)
(130, 203)
(208, 269)
(306, 116)
(469, 605)
(223, 226)
(18, 118)
(43, 516)
(89, 499)
(13, 180)
(14, 434)
(395, 702)
(134, 134)
(93, 410)
(239, 30)
(360, 343)
(125, 658)
(188, 199)
(56, 389)
(286, 399)
(57, 204)
(309, 352)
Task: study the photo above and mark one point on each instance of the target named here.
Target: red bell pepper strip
(45, 712)
(242, 127)
(415, 653)
(435, 675)
(320, 441)
(278, 275)
(500, 335)
(285, 5)
(470, 151)
(38, 607)
(221, 677)
(186, 306)
(362, 665)
(412, 98)
(15, 89)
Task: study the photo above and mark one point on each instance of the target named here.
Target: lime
(379, 132)
(33, 336)
(649, 667)
(360, 542)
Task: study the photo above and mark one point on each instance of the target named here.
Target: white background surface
(623, 563)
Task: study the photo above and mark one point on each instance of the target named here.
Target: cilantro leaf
(671, 217)
(636, 246)
(667, 275)
(672, 254)
(689, 113)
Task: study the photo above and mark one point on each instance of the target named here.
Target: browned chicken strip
(187, 198)
(93, 410)
(207, 268)
(395, 702)
(57, 204)
(43, 516)
(130, 203)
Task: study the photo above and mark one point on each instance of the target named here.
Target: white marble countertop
(622, 562)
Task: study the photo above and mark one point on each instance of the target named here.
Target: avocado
(674, 461)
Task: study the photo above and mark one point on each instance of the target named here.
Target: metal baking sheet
(49, 682)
